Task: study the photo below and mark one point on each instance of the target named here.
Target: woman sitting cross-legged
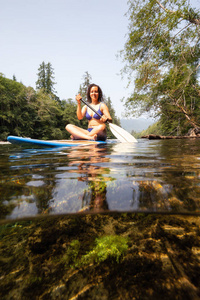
(96, 125)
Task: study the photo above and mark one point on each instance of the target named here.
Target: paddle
(118, 132)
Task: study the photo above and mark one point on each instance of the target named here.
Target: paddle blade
(122, 134)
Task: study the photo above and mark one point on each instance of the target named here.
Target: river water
(145, 244)
(161, 176)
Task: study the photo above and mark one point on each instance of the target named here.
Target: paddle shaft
(94, 110)
(118, 132)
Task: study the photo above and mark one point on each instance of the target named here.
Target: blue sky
(75, 36)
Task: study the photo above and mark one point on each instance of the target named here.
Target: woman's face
(94, 93)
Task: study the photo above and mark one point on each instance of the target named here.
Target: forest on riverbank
(40, 113)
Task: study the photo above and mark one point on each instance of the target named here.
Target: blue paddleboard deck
(47, 143)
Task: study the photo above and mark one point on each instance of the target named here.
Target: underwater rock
(45, 258)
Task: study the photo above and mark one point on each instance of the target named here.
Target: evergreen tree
(49, 79)
(84, 86)
(46, 78)
(83, 91)
(115, 119)
(41, 82)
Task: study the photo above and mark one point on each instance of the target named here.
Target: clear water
(150, 176)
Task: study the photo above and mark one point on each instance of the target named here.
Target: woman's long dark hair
(99, 90)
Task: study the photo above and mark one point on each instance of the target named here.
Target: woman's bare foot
(74, 138)
(95, 137)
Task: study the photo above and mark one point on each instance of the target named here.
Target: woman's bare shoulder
(103, 105)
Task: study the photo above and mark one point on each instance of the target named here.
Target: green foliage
(50, 78)
(46, 78)
(41, 82)
(152, 129)
(25, 112)
(163, 52)
(16, 110)
(112, 247)
(48, 114)
(70, 258)
(69, 115)
(115, 119)
(107, 247)
(84, 86)
(36, 114)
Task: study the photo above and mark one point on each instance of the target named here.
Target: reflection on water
(153, 176)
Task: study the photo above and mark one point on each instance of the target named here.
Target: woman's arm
(80, 112)
(106, 114)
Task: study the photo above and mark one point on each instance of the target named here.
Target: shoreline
(162, 137)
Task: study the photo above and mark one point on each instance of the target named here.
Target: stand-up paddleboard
(47, 143)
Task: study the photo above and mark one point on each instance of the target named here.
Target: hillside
(136, 124)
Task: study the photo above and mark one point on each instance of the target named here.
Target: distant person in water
(96, 125)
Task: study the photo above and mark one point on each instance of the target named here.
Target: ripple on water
(158, 176)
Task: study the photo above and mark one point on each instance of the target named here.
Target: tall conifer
(46, 78)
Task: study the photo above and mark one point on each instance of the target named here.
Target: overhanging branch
(188, 18)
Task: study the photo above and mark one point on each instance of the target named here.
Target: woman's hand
(106, 115)
(103, 119)
(78, 98)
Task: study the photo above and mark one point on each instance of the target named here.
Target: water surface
(149, 176)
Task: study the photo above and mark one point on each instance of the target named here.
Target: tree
(50, 79)
(69, 114)
(24, 112)
(163, 52)
(48, 117)
(84, 86)
(83, 91)
(41, 82)
(46, 78)
(115, 119)
(16, 111)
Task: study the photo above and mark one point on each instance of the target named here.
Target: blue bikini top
(95, 116)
